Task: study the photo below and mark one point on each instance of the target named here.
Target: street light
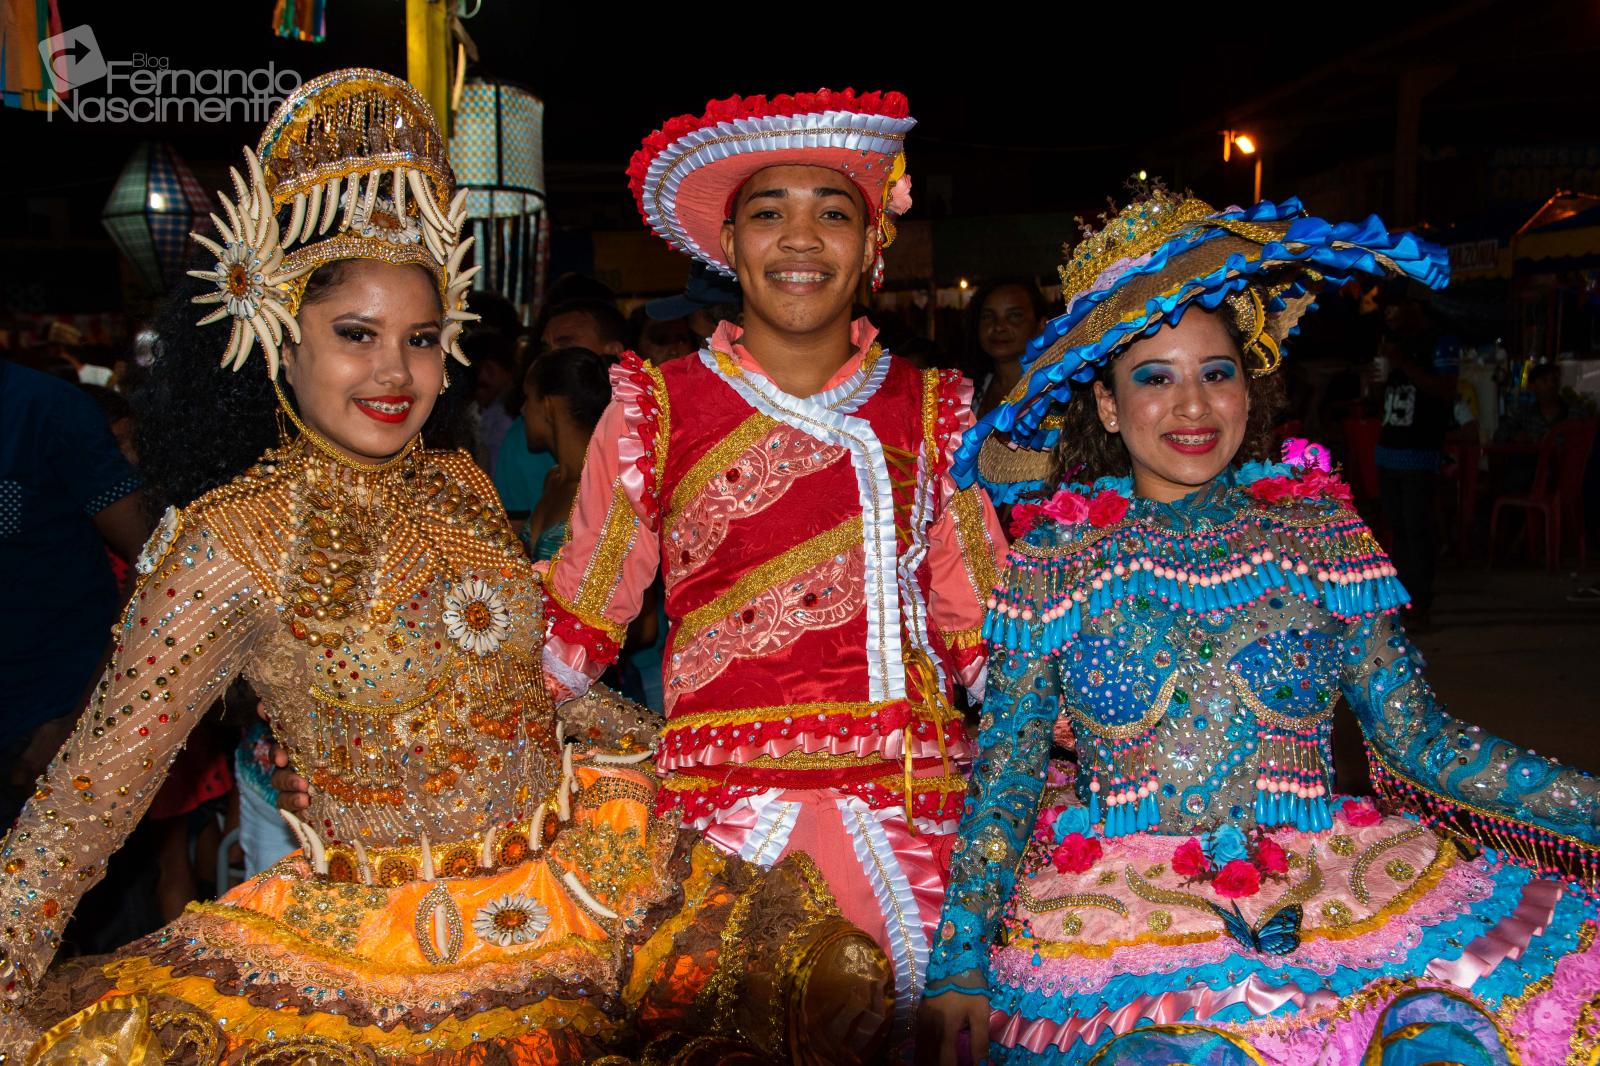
(1246, 144)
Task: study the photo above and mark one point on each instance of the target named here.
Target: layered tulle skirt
(1377, 941)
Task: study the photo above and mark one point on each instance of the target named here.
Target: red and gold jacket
(825, 580)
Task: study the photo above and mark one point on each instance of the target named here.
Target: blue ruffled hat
(1143, 269)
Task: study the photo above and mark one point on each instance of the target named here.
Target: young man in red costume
(825, 579)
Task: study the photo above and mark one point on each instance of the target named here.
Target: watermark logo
(73, 58)
(147, 88)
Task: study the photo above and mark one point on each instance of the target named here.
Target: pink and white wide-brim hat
(685, 176)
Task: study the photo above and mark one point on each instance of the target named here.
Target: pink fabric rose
(1044, 828)
(900, 196)
(1076, 853)
(1360, 812)
(1189, 859)
(1067, 507)
(1319, 483)
(1107, 509)
(1237, 880)
(1271, 857)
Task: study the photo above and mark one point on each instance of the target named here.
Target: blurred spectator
(118, 413)
(565, 392)
(66, 491)
(1418, 369)
(707, 298)
(1529, 423)
(494, 366)
(593, 324)
(1003, 316)
(497, 313)
(664, 340)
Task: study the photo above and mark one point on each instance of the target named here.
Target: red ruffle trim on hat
(890, 105)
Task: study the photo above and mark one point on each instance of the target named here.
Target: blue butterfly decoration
(1278, 935)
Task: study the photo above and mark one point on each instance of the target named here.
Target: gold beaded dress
(480, 881)
(469, 890)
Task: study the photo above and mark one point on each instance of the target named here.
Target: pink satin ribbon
(1194, 1004)
(1509, 937)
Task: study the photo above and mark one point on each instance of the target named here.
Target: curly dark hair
(1086, 450)
(201, 425)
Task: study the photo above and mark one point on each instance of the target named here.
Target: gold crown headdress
(357, 160)
(1154, 219)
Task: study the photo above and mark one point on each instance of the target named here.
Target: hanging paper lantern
(497, 152)
(153, 206)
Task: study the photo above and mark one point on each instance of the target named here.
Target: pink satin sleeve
(599, 577)
(965, 548)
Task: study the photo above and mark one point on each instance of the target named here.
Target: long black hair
(200, 425)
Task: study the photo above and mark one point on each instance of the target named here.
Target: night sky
(1022, 108)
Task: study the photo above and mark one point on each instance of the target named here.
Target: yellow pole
(428, 55)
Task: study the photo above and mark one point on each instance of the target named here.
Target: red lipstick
(390, 409)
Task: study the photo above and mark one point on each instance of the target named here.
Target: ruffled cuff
(637, 388)
(584, 645)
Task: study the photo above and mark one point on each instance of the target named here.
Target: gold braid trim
(658, 386)
(603, 572)
(842, 538)
(722, 455)
(967, 506)
(593, 621)
(1076, 899)
(1583, 1047)
(286, 938)
(1358, 871)
(721, 993)
(739, 716)
(249, 1024)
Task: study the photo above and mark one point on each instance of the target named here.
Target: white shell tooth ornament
(344, 192)
(249, 275)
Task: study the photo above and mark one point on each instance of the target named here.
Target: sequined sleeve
(1002, 803)
(1533, 810)
(183, 637)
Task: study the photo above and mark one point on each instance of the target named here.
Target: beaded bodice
(403, 674)
(392, 629)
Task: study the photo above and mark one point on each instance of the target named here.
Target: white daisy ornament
(511, 920)
(475, 617)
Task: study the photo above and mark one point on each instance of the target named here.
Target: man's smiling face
(799, 239)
